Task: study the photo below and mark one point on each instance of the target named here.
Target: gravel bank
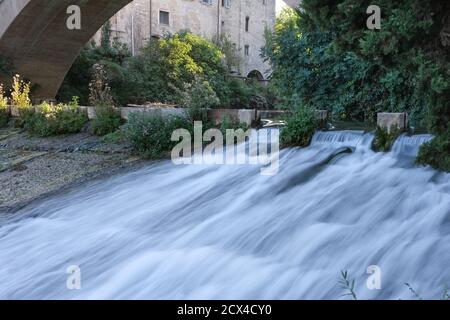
(32, 168)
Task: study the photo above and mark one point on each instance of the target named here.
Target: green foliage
(20, 99)
(105, 41)
(385, 139)
(300, 127)
(436, 153)
(197, 97)
(232, 58)
(4, 117)
(250, 94)
(112, 58)
(326, 55)
(107, 117)
(150, 135)
(115, 137)
(107, 120)
(20, 93)
(48, 120)
(162, 70)
(165, 66)
(228, 123)
(99, 90)
(4, 111)
(348, 285)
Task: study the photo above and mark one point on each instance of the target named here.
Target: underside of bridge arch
(35, 38)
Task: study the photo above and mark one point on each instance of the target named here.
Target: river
(228, 232)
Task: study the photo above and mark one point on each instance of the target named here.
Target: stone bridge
(35, 37)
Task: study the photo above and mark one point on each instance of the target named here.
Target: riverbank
(32, 168)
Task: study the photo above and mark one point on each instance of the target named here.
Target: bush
(48, 120)
(112, 57)
(99, 90)
(436, 153)
(107, 117)
(115, 137)
(20, 98)
(385, 139)
(4, 112)
(107, 120)
(161, 71)
(20, 93)
(300, 127)
(197, 97)
(229, 123)
(151, 134)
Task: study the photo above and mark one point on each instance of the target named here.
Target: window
(164, 17)
(247, 50)
(247, 23)
(207, 2)
(226, 3)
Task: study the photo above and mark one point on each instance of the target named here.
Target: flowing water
(228, 232)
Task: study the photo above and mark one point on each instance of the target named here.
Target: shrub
(20, 98)
(150, 135)
(112, 57)
(229, 123)
(107, 120)
(48, 120)
(99, 90)
(115, 137)
(385, 139)
(107, 117)
(4, 112)
(436, 153)
(300, 127)
(20, 93)
(197, 97)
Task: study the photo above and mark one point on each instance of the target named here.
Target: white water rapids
(227, 232)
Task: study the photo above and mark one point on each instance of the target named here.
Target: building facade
(243, 21)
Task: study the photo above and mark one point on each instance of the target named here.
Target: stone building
(243, 21)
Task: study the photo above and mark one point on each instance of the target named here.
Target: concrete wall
(248, 116)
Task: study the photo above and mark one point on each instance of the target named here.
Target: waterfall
(227, 232)
(409, 145)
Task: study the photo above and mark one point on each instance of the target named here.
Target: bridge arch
(34, 36)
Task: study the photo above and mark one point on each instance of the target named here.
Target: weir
(226, 232)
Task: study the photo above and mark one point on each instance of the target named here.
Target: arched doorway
(255, 75)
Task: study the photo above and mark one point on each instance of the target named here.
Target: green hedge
(48, 120)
